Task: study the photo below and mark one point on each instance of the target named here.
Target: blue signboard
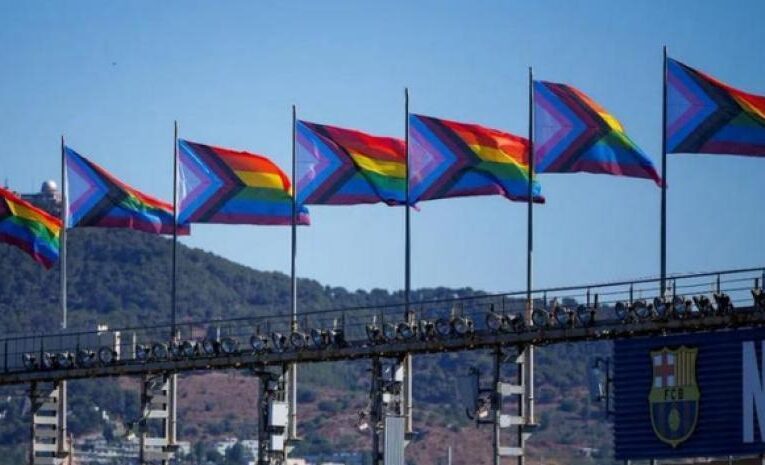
(698, 395)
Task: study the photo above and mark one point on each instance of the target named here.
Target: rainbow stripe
(573, 133)
(95, 198)
(451, 159)
(705, 115)
(225, 186)
(29, 228)
(344, 167)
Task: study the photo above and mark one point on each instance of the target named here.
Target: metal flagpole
(292, 375)
(529, 353)
(664, 178)
(407, 276)
(174, 288)
(62, 436)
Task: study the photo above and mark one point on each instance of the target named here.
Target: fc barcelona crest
(674, 397)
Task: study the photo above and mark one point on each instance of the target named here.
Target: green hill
(122, 278)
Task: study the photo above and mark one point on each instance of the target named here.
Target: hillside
(122, 278)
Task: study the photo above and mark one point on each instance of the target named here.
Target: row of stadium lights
(559, 316)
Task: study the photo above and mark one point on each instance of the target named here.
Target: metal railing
(457, 319)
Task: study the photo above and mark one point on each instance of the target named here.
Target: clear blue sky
(112, 77)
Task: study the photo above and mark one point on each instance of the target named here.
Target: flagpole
(174, 289)
(664, 178)
(529, 358)
(292, 377)
(63, 434)
(62, 244)
(407, 275)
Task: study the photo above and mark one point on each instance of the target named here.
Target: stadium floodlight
(389, 331)
(622, 313)
(427, 329)
(159, 351)
(443, 327)
(142, 352)
(562, 315)
(540, 317)
(585, 315)
(704, 305)
(64, 360)
(405, 330)
(47, 360)
(189, 348)
(496, 322)
(680, 307)
(259, 343)
(279, 341)
(85, 357)
(641, 310)
(29, 361)
(298, 340)
(320, 338)
(210, 346)
(106, 355)
(374, 334)
(759, 298)
(517, 323)
(660, 308)
(462, 325)
(723, 302)
(229, 345)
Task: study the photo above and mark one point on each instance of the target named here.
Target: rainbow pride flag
(344, 167)
(572, 133)
(95, 198)
(705, 115)
(225, 186)
(451, 159)
(29, 228)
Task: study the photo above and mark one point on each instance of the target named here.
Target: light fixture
(621, 311)
(389, 331)
(659, 308)
(320, 338)
(46, 361)
(189, 348)
(497, 322)
(337, 337)
(210, 346)
(462, 325)
(641, 310)
(279, 341)
(562, 315)
(229, 345)
(85, 358)
(723, 302)
(443, 327)
(374, 334)
(159, 351)
(64, 360)
(585, 315)
(679, 307)
(704, 305)
(759, 298)
(29, 361)
(106, 355)
(517, 323)
(298, 340)
(258, 342)
(427, 330)
(540, 317)
(405, 330)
